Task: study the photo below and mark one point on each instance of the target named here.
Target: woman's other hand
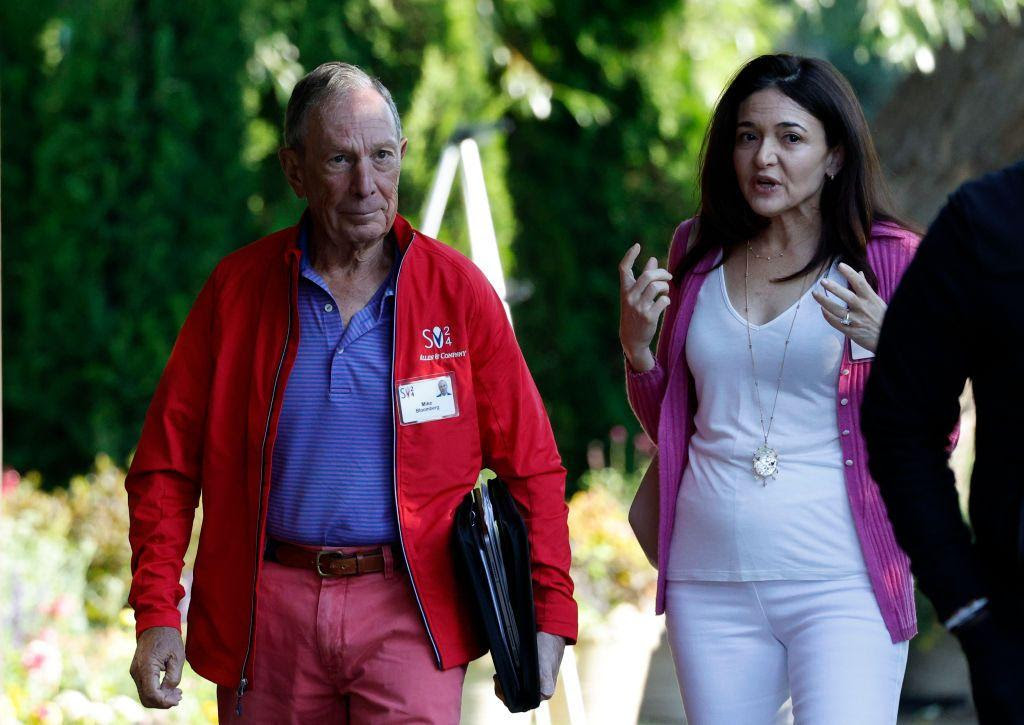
(856, 312)
(642, 300)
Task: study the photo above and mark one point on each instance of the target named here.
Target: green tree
(631, 88)
(126, 182)
(139, 141)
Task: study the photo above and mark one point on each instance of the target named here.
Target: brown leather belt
(332, 563)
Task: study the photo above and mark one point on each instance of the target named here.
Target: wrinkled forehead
(361, 112)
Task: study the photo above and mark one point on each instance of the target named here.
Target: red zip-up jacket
(211, 426)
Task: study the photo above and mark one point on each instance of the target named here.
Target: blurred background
(138, 146)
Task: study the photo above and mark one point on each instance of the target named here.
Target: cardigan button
(844, 401)
(846, 431)
(849, 462)
(846, 371)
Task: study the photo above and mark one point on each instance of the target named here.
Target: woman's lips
(765, 186)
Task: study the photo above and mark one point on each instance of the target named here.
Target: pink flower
(48, 713)
(10, 481)
(60, 607)
(643, 444)
(34, 657)
(41, 658)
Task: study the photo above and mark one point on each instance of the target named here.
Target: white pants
(743, 649)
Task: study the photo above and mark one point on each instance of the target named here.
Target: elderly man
(300, 401)
(956, 315)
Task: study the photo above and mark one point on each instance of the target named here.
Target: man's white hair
(324, 83)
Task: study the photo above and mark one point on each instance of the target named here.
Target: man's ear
(291, 165)
(402, 146)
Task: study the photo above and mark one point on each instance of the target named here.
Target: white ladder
(483, 244)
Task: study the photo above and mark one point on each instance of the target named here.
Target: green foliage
(128, 187)
(139, 145)
(92, 515)
(656, 67)
(609, 570)
(64, 630)
(906, 33)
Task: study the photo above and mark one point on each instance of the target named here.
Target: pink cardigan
(664, 401)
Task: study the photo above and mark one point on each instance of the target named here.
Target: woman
(777, 565)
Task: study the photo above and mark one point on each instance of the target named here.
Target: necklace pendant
(766, 463)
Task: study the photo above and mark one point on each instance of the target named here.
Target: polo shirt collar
(307, 271)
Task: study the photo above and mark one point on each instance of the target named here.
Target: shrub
(67, 635)
(609, 569)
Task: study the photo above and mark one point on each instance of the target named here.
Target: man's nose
(362, 179)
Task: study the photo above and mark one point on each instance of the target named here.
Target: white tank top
(728, 526)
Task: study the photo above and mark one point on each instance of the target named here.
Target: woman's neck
(789, 234)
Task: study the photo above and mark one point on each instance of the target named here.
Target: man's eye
(383, 154)
(339, 159)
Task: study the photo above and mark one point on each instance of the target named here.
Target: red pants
(343, 650)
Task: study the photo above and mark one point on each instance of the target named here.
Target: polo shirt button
(846, 431)
(844, 401)
(341, 350)
(328, 307)
(849, 462)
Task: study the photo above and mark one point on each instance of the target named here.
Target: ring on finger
(846, 318)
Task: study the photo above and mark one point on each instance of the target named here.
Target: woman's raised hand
(642, 300)
(856, 312)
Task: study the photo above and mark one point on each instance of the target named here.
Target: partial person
(785, 591)
(300, 404)
(956, 316)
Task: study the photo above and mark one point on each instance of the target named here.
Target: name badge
(426, 399)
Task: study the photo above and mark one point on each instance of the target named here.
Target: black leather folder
(492, 548)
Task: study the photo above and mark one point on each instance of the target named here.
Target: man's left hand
(550, 648)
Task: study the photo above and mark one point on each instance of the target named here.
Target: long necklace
(766, 459)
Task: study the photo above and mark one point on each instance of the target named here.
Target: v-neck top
(798, 526)
(665, 404)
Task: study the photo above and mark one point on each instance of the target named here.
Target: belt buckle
(349, 564)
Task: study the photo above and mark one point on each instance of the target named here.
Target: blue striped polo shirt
(332, 464)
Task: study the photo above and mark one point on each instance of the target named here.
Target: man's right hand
(995, 655)
(159, 649)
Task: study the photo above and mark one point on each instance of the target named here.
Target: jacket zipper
(394, 460)
(243, 682)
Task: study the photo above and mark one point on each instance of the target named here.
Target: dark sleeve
(912, 403)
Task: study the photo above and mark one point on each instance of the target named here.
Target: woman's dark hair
(850, 202)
